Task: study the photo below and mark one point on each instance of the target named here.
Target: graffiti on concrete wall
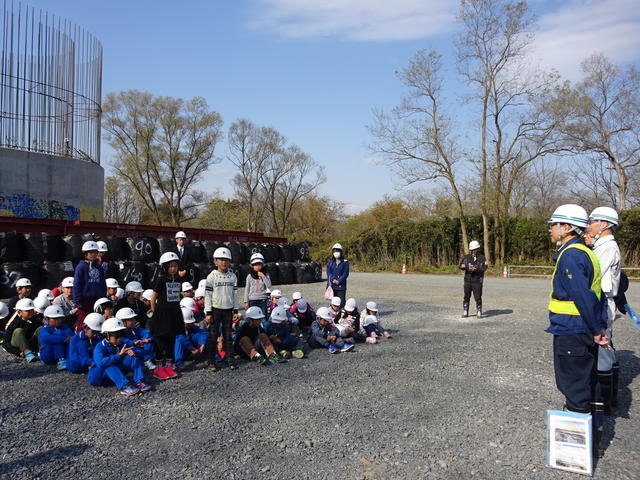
(23, 205)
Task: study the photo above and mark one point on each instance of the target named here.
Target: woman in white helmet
(576, 316)
(474, 265)
(88, 282)
(338, 272)
(603, 221)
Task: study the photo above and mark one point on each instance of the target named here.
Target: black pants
(221, 318)
(342, 295)
(164, 347)
(575, 361)
(475, 286)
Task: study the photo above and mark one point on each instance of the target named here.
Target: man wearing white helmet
(82, 344)
(88, 282)
(185, 257)
(221, 305)
(576, 315)
(603, 221)
(21, 335)
(54, 338)
(337, 273)
(474, 265)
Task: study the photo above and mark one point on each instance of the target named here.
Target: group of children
(117, 333)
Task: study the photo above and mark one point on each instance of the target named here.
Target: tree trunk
(485, 215)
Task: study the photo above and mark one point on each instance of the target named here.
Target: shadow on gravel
(23, 372)
(43, 457)
(629, 369)
(495, 313)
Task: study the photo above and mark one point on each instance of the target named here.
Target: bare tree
(605, 120)
(121, 202)
(416, 138)
(163, 147)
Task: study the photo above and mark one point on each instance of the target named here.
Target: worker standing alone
(474, 265)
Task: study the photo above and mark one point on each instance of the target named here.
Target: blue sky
(315, 69)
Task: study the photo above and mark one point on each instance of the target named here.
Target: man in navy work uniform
(576, 316)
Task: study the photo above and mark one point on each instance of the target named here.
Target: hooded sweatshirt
(88, 282)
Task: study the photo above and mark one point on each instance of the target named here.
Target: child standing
(81, 345)
(252, 339)
(21, 335)
(167, 318)
(257, 285)
(113, 359)
(88, 283)
(325, 335)
(221, 305)
(54, 338)
(193, 340)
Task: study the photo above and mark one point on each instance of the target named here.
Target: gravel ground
(445, 398)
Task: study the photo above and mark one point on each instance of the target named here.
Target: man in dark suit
(184, 254)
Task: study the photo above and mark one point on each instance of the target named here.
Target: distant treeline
(426, 244)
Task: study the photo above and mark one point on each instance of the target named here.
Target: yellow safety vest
(568, 307)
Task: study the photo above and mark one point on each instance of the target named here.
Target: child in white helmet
(221, 306)
(65, 301)
(112, 289)
(275, 296)
(252, 341)
(193, 341)
(81, 345)
(23, 290)
(303, 312)
(257, 285)
(133, 300)
(113, 360)
(104, 307)
(136, 336)
(54, 338)
(88, 282)
(167, 319)
(279, 331)
(325, 335)
(335, 307)
(21, 335)
(187, 290)
(198, 313)
(348, 322)
(146, 299)
(369, 322)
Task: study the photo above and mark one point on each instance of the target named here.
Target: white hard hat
(135, 287)
(254, 313)
(199, 293)
(373, 306)
(147, 294)
(607, 214)
(187, 315)
(337, 246)
(302, 305)
(40, 304)
(186, 286)
(181, 234)
(23, 282)
(324, 313)
(296, 296)
(25, 304)
(90, 246)
(570, 214)
(276, 293)
(67, 282)
(45, 292)
(112, 325)
(474, 245)
(54, 311)
(202, 284)
(125, 313)
(102, 247)
(119, 293)
(168, 257)
(257, 258)
(188, 302)
(97, 306)
(350, 305)
(284, 302)
(112, 283)
(4, 310)
(278, 315)
(94, 321)
(222, 252)
(369, 320)
(336, 301)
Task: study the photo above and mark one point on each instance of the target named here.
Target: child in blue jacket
(193, 341)
(137, 337)
(278, 329)
(324, 334)
(54, 338)
(82, 344)
(88, 282)
(113, 359)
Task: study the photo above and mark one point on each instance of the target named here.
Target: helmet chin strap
(575, 229)
(597, 236)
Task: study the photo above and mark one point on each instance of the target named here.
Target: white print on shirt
(173, 291)
(94, 275)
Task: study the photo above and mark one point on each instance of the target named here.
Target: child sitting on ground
(104, 307)
(334, 307)
(252, 339)
(113, 359)
(325, 335)
(303, 313)
(279, 329)
(371, 325)
(137, 337)
(23, 289)
(21, 335)
(65, 300)
(54, 338)
(187, 290)
(132, 300)
(198, 313)
(193, 341)
(82, 344)
(112, 289)
(275, 298)
(348, 322)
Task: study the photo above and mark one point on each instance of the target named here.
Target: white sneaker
(150, 365)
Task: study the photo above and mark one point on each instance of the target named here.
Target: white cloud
(580, 28)
(356, 19)
(370, 161)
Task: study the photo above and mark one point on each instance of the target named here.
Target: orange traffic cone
(505, 272)
(404, 269)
